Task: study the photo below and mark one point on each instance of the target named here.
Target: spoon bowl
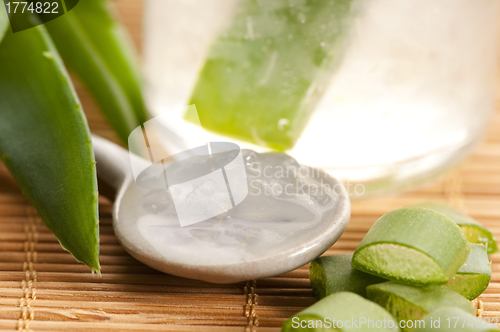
(218, 250)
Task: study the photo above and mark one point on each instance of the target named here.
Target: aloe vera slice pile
(427, 256)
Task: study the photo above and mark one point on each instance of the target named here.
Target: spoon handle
(113, 161)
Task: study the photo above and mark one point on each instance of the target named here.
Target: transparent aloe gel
(266, 71)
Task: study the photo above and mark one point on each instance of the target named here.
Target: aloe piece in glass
(266, 71)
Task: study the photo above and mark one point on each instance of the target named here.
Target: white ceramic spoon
(218, 251)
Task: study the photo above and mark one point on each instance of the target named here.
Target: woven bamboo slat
(42, 288)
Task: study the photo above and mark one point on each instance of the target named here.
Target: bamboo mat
(42, 288)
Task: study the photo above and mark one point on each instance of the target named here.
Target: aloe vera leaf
(412, 245)
(340, 309)
(4, 21)
(410, 303)
(473, 277)
(45, 142)
(333, 274)
(473, 230)
(110, 40)
(266, 71)
(454, 319)
(80, 54)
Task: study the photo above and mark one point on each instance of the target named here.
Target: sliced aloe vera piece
(342, 311)
(45, 142)
(333, 274)
(454, 319)
(473, 277)
(473, 230)
(410, 303)
(266, 71)
(412, 245)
